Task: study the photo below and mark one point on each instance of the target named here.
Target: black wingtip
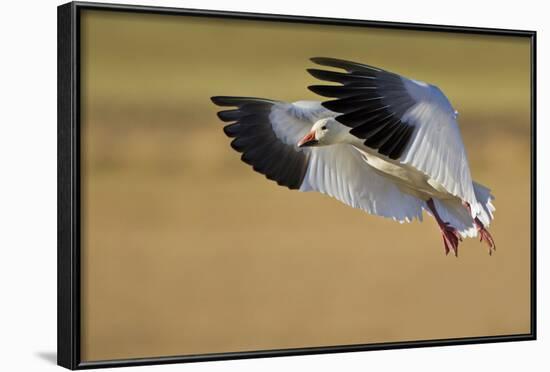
(318, 74)
(232, 130)
(331, 62)
(330, 105)
(221, 100)
(324, 90)
(320, 60)
(240, 101)
(349, 66)
(315, 89)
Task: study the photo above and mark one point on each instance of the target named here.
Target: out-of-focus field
(186, 250)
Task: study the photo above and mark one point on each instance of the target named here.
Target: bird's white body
(409, 179)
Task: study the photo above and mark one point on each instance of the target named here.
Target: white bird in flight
(385, 144)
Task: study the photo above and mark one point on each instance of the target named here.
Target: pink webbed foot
(485, 236)
(451, 238)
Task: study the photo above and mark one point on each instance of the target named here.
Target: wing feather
(405, 120)
(341, 172)
(266, 133)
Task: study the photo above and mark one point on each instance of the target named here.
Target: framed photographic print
(236, 185)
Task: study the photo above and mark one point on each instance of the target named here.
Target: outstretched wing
(403, 119)
(266, 133)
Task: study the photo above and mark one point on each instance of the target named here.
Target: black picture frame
(69, 202)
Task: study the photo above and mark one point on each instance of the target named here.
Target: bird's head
(324, 132)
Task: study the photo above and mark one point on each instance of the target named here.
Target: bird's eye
(324, 127)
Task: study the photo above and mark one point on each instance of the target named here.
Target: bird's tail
(458, 216)
(455, 213)
(484, 198)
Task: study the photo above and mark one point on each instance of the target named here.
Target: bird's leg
(484, 234)
(451, 237)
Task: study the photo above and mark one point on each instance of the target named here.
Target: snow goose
(384, 143)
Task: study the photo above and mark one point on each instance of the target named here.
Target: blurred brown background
(186, 250)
